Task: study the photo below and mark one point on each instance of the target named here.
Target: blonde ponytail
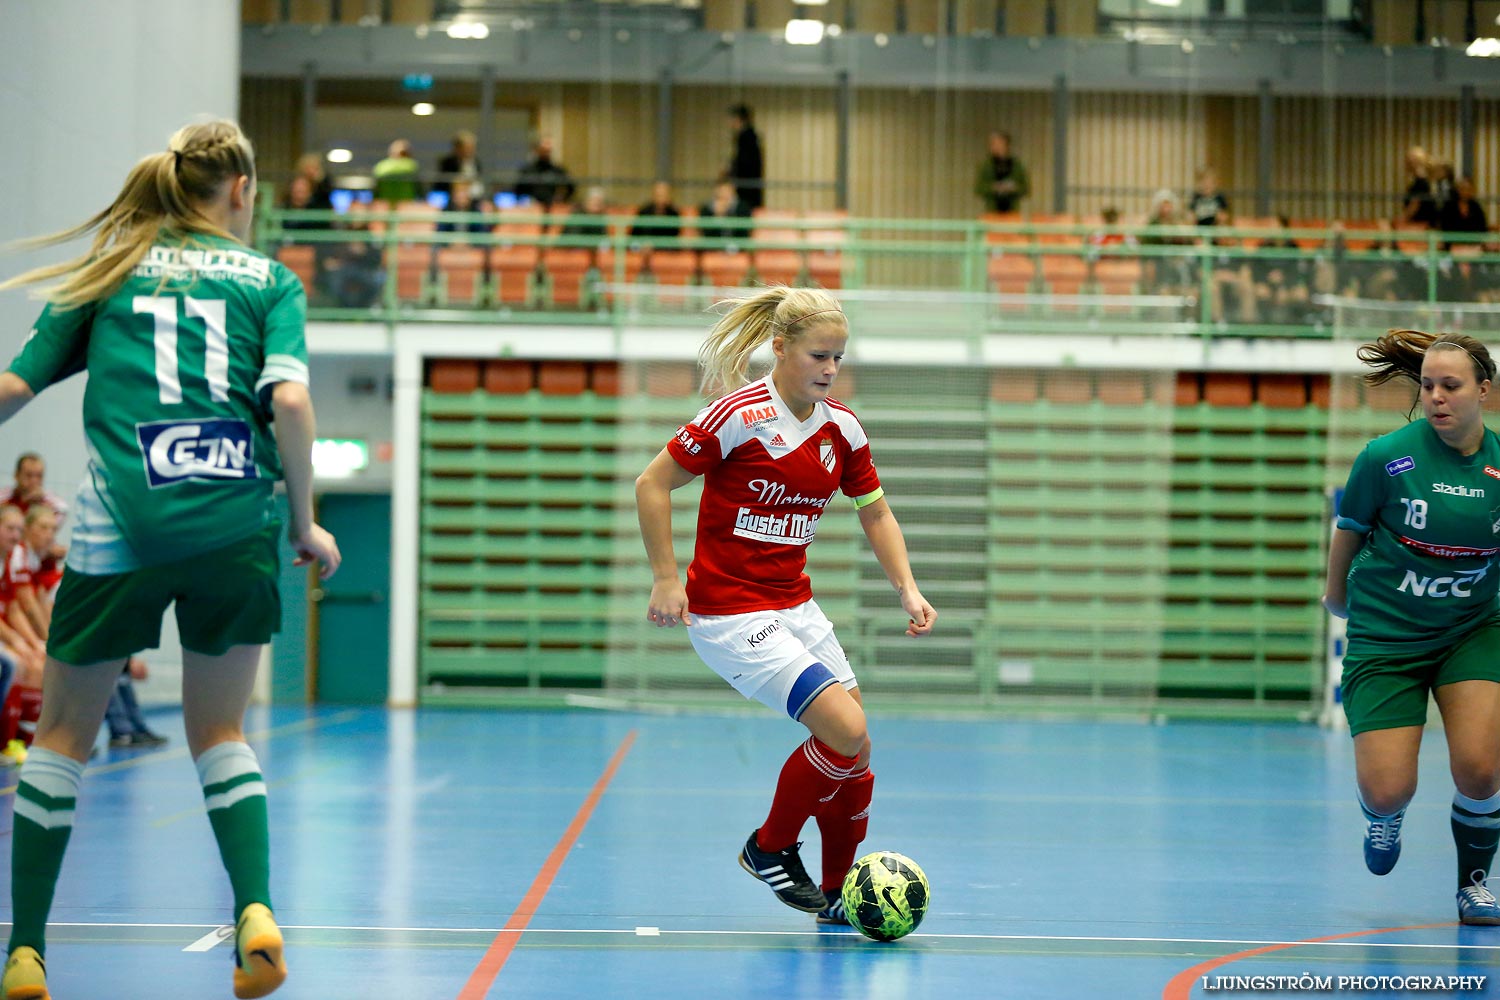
(163, 191)
(776, 311)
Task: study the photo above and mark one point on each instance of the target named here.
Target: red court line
(505, 942)
(1181, 985)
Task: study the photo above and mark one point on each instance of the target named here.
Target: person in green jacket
(1001, 179)
(396, 175)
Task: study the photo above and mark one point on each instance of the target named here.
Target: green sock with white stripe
(45, 797)
(235, 795)
(1476, 831)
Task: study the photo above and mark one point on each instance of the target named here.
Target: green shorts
(227, 597)
(1390, 690)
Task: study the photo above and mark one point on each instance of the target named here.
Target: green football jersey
(181, 361)
(1425, 576)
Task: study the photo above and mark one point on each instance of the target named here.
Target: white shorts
(774, 657)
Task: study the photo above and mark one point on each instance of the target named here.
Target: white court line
(663, 932)
(209, 940)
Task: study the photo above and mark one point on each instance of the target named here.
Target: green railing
(985, 274)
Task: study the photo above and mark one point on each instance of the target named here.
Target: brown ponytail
(1399, 353)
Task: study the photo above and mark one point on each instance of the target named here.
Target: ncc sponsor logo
(686, 440)
(757, 416)
(1459, 585)
(206, 450)
(1399, 466)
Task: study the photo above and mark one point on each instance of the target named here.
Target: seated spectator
(724, 204)
(299, 195)
(127, 727)
(460, 168)
(397, 176)
(29, 488)
(1283, 278)
(352, 274)
(1167, 275)
(660, 207)
(30, 581)
(544, 181)
(1440, 175)
(462, 200)
(594, 204)
(17, 654)
(1110, 235)
(310, 166)
(1462, 213)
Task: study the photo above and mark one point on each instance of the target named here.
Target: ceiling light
(1166, 3)
(804, 31)
(468, 29)
(1484, 47)
(339, 155)
(422, 108)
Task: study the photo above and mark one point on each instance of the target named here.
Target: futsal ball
(885, 895)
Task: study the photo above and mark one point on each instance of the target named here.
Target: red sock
(811, 775)
(843, 823)
(10, 715)
(31, 712)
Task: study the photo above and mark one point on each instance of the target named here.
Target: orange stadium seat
(1283, 391)
(303, 262)
(1365, 227)
(562, 378)
(633, 261)
(462, 270)
(1411, 237)
(1227, 389)
(453, 375)
(825, 257)
(1310, 241)
(1057, 219)
(1012, 273)
(514, 264)
(725, 268)
(567, 271)
(1064, 275)
(509, 377)
(413, 265)
(1003, 218)
(1264, 222)
(673, 269)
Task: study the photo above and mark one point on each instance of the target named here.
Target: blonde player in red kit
(774, 453)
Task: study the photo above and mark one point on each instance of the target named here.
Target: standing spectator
(310, 166)
(30, 473)
(1002, 181)
(660, 207)
(396, 176)
(725, 204)
(1208, 205)
(127, 727)
(543, 180)
(1416, 202)
(1462, 213)
(1440, 175)
(460, 168)
(747, 168)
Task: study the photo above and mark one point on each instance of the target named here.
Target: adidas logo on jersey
(776, 442)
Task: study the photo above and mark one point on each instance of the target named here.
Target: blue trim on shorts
(808, 685)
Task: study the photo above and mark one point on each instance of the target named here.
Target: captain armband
(1349, 524)
(869, 498)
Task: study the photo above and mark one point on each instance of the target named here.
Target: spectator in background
(1462, 213)
(1166, 275)
(1110, 235)
(594, 204)
(29, 584)
(1440, 175)
(396, 176)
(352, 274)
(1002, 181)
(724, 205)
(29, 488)
(310, 166)
(542, 180)
(17, 653)
(127, 727)
(460, 168)
(299, 196)
(461, 199)
(650, 217)
(1283, 278)
(1416, 202)
(747, 168)
(1208, 205)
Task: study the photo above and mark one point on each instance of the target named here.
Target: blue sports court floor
(469, 854)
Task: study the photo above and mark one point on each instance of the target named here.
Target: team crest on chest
(825, 453)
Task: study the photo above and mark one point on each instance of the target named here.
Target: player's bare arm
(653, 501)
(889, 545)
(14, 394)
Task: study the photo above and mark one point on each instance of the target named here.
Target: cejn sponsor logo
(212, 450)
(1457, 491)
(1399, 466)
(757, 416)
(773, 493)
(686, 440)
(787, 529)
(1459, 585)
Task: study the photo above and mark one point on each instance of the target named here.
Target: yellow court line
(179, 752)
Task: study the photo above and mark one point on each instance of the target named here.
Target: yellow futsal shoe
(258, 965)
(14, 753)
(25, 976)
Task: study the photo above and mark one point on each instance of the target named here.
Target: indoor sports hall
(1105, 267)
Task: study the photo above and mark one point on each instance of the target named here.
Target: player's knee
(1386, 798)
(1476, 777)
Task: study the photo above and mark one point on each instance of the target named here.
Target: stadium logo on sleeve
(205, 450)
(1399, 466)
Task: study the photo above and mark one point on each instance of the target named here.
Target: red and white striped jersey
(767, 480)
